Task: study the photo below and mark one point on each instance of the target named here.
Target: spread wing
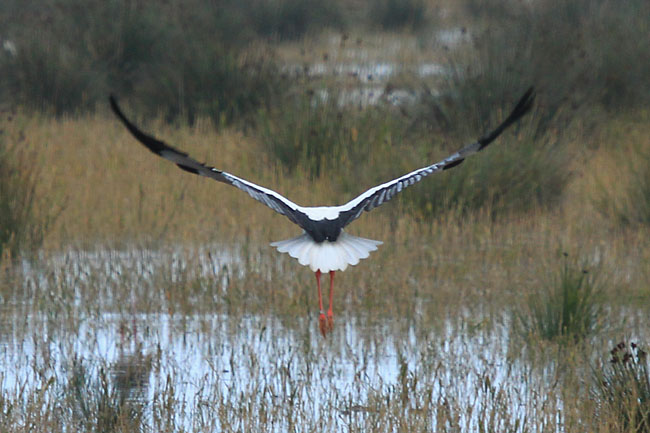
(272, 199)
(382, 193)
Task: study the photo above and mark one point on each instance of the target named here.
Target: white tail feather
(327, 256)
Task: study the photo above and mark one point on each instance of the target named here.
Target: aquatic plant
(622, 387)
(568, 309)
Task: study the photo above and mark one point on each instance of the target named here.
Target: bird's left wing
(384, 192)
(272, 199)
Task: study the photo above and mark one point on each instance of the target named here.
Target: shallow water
(257, 360)
(368, 80)
(260, 372)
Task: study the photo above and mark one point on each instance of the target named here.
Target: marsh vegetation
(511, 293)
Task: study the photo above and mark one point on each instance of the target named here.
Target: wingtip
(530, 91)
(524, 104)
(149, 141)
(522, 107)
(529, 94)
(115, 107)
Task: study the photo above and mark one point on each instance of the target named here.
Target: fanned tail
(328, 256)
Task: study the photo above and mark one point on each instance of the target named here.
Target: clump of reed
(96, 403)
(568, 309)
(622, 388)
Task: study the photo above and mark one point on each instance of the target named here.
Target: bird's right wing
(384, 192)
(272, 199)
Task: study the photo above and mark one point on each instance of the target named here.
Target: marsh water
(363, 74)
(64, 339)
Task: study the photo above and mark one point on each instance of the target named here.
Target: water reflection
(216, 372)
(130, 373)
(231, 361)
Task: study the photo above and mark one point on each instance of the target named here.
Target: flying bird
(323, 246)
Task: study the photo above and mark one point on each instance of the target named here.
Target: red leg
(330, 314)
(322, 324)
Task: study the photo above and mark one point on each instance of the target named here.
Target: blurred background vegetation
(217, 58)
(235, 63)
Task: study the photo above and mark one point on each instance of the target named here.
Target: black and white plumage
(324, 246)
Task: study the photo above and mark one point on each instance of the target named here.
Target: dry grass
(115, 193)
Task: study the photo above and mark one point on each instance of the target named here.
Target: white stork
(323, 245)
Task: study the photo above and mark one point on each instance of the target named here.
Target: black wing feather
(350, 211)
(270, 198)
(382, 193)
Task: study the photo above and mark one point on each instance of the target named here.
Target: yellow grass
(114, 192)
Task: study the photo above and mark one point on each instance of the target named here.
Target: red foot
(330, 321)
(322, 324)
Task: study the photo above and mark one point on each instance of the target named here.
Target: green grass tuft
(569, 309)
